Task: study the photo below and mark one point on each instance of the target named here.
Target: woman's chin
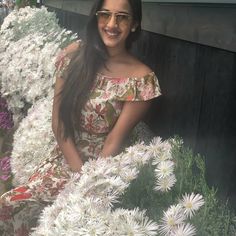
(112, 42)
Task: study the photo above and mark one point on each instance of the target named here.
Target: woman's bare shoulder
(140, 68)
(72, 47)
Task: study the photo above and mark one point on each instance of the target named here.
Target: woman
(101, 93)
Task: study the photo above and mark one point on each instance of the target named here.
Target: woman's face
(115, 23)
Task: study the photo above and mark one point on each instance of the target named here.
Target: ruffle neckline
(129, 88)
(100, 75)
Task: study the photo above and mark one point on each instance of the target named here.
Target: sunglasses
(120, 18)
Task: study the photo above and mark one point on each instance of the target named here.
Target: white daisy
(184, 230)
(164, 169)
(165, 184)
(128, 222)
(129, 174)
(163, 156)
(149, 227)
(136, 155)
(173, 217)
(154, 146)
(192, 203)
(161, 151)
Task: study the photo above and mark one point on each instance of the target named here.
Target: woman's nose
(112, 21)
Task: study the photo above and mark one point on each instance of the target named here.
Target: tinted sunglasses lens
(122, 18)
(103, 16)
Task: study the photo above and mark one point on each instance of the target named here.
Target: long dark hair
(83, 68)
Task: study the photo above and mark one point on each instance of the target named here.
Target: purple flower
(6, 121)
(5, 168)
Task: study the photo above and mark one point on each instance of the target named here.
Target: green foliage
(23, 3)
(213, 219)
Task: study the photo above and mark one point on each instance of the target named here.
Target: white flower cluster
(164, 164)
(25, 21)
(33, 141)
(85, 206)
(27, 65)
(27, 69)
(174, 223)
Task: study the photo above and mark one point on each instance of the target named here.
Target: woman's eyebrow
(124, 12)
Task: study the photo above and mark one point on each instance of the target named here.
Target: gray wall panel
(208, 24)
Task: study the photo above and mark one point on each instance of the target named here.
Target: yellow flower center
(189, 205)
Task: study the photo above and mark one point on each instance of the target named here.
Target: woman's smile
(112, 33)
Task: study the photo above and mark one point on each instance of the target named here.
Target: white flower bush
(27, 68)
(86, 205)
(33, 140)
(25, 21)
(23, 77)
(32, 39)
(91, 197)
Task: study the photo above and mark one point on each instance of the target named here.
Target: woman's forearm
(112, 146)
(70, 153)
(68, 148)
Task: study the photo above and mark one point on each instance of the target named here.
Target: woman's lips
(112, 33)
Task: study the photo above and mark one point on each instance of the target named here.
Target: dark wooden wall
(198, 100)
(198, 103)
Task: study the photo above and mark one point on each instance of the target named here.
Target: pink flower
(147, 92)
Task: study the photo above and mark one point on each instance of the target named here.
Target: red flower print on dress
(106, 95)
(147, 92)
(101, 111)
(119, 80)
(22, 196)
(130, 97)
(89, 125)
(21, 189)
(35, 176)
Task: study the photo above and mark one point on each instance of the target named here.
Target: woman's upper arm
(62, 63)
(56, 103)
(131, 114)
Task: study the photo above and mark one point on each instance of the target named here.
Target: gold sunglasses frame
(129, 17)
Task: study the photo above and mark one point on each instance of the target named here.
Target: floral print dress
(20, 207)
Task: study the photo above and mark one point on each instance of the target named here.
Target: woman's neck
(117, 53)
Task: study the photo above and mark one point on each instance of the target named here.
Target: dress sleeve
(64, 57)
(139, 89)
